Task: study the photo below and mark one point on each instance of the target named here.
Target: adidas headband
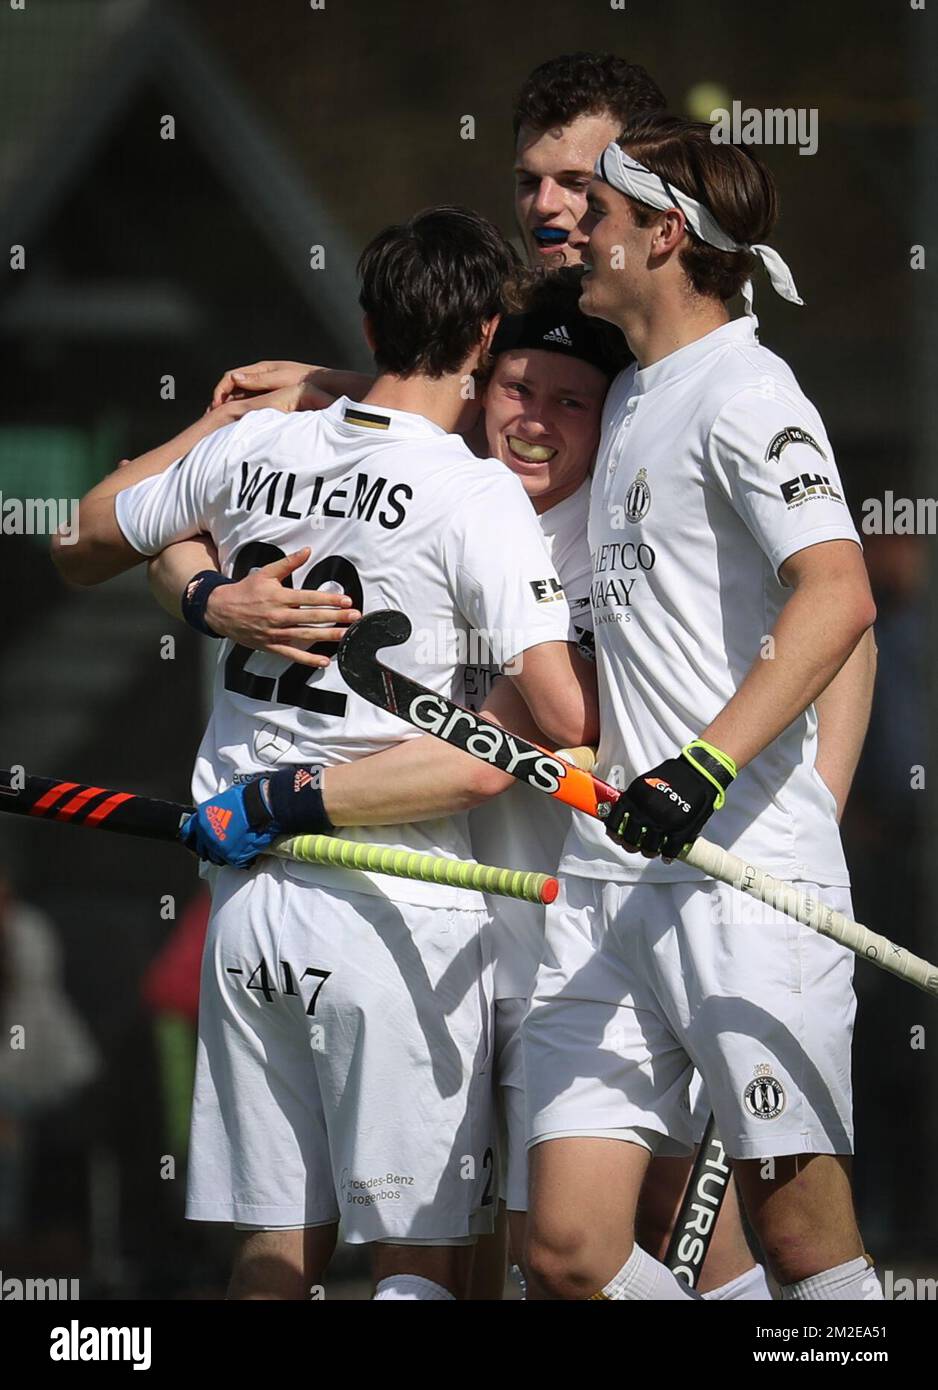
(552, 330)
(627, 176)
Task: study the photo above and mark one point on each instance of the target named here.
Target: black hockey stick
(700, 1209)
(77, 803)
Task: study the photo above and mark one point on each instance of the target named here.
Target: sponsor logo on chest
(617, 568)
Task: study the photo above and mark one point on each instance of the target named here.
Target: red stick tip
(550, 890)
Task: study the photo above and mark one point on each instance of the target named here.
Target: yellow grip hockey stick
(427, 868)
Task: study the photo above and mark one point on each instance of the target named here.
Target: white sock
(852, 1282)
(642, 1277)
(751, 1286)
(410, 1288)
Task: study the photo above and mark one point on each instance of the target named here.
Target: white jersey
(522, 828)
(713, 469)
(399, 514)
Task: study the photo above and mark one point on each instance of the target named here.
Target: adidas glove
(237, 825)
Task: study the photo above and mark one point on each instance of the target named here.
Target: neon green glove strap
(712, 763)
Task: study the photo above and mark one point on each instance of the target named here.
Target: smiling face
(615, 250)
(553, 170)
(542, 420)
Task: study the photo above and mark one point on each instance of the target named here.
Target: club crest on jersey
(792, 434)
(638, 497)
(764, 1097)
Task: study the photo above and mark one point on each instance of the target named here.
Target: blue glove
(232, 828)
(236, 826)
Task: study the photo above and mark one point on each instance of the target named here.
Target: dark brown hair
(735, 186)
(430, 284)
(585, 84)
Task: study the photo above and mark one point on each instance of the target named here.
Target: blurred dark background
(152, 264)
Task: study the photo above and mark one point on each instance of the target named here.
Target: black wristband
(295, 796)
(259, 815)
(196, 597)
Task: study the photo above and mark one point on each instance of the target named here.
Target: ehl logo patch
(764, 1097)
(797, 491)
(546, 590)
(638, 497)
(792, 435)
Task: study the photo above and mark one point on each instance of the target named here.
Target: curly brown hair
(584, 84)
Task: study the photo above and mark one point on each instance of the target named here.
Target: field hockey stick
(700, 1209)
(74, 803)
(434, 714)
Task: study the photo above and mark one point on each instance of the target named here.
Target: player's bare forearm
(559, 688)
(819, 627)
(100, 552)
(336, 381)
(420, 779)
(272, 375)
(423, 778)
(170, 571)
(843, 716)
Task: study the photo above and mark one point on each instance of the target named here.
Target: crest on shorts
(765, 1096)
(638, 497)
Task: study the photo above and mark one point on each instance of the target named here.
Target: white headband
(625, 174)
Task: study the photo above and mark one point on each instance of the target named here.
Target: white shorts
(512, 1128)
(642, 982)
(344, 1065)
